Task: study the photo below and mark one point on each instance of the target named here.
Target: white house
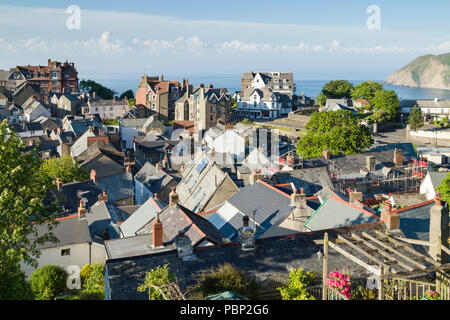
(229, 142)
(33, 109)
(74, 247)
(432, 180)
(263, 103)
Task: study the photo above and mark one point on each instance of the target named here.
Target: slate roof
(273, 256)
(312, 180)
(335, 212)
(103, 165)
(201, 179)
(353, 163)
(415, 220)
(155, 180)
(70, 194)
(118, 186)
(27, 126)
(437, 177)
(140, 218)
(69, 230)
(265, 205)
(101, 215)
(173, 219)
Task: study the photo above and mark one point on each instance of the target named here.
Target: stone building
(55, 77)
(206, 106)
(159, 96)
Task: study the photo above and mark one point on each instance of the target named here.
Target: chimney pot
(81, 210)
(58, 184)
(173, 197)
(326, 154)
(94, 175)
(155, 196)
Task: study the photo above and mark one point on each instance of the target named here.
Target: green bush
(85, 272)
(363, 293)
(298, 281)
(159, 277)
(48, 281)
(226, 278)
(94, 283)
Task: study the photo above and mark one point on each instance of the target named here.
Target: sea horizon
(311, 88)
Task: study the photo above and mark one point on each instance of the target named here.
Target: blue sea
(311, 88)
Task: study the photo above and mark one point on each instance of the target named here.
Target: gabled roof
(118, 186)
(101, 215)
(335, 212)
(265, 205)
(201, 179)
(155, 180)
(140, 218)
(70, 194)
(70, 230)
(437, 177)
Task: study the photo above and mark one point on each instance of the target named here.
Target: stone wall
(301, 119)
(439, 138)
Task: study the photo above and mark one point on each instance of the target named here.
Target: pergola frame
(386, 252)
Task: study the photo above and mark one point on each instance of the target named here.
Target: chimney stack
(127, 168)
(390, 218)
(298, 200)
(439, 229)
(355, 195)
(103, 196)
(398, 157)
(58, 184)
(370, 163)
(155, 196)
(184, 246)
(94, 176)
(157, 234)
(81, 211)
(213, 152)
(326, 154)
(255, 176)
(246, 235)
(173, 197)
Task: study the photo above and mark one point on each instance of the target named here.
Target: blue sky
(322, 39)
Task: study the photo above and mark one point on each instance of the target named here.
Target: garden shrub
(48, 282)
(226, 278)
(158, 276)
(296, 290)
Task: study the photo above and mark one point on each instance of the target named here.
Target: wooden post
(439, 250)
(381, 288)
(325, 267)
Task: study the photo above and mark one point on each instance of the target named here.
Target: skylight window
(202, 165)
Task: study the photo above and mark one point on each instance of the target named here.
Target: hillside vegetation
(427, 71)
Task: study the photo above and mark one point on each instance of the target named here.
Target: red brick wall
(141, 96)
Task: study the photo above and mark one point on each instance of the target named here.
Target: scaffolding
(405, 178)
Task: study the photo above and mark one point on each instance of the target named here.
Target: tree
(63, 168)
(159, 276)
(388, 102)
(415, 119)
(366, 90)
(226, 278)
(298, 281)
(336, 131)
(22, 192)
(444, 188)
(101, 91)
(129, 94)
(48, 282)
